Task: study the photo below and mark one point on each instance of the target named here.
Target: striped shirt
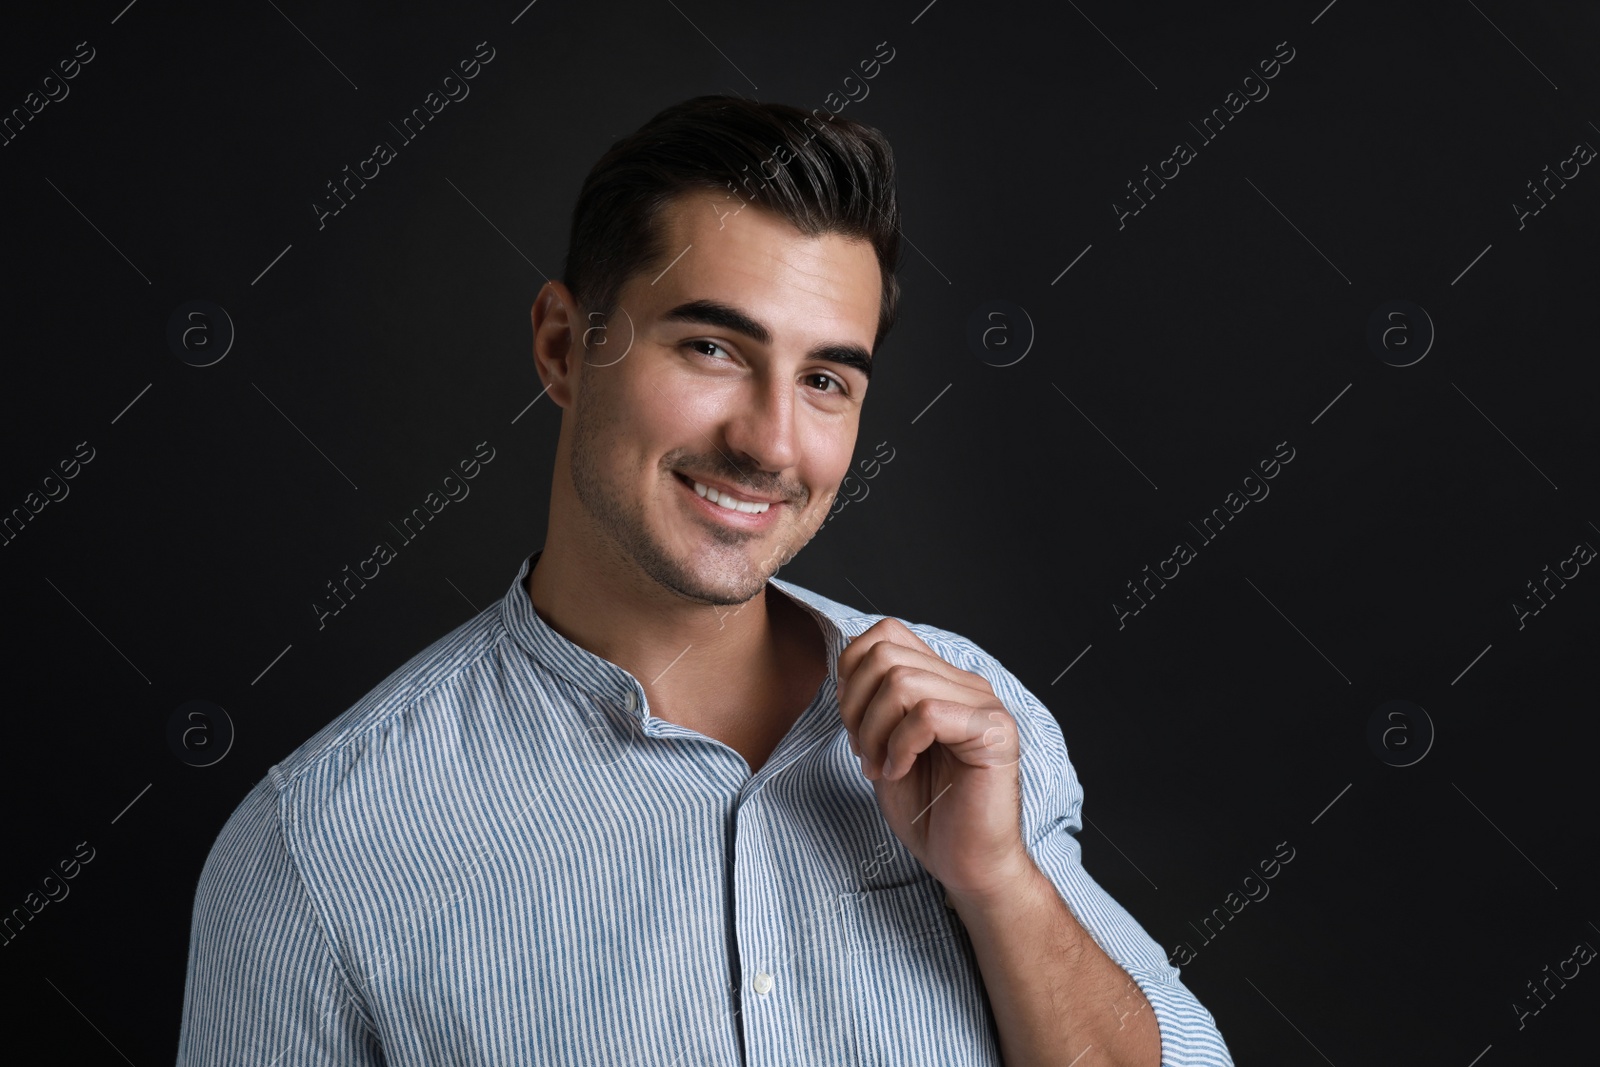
(500, 856)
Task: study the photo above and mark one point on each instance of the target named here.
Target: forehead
(802, 287)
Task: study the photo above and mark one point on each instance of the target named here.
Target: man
(656, 806)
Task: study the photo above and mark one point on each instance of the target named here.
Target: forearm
(1058, 999)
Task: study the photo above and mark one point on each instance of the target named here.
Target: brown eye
(708, 344)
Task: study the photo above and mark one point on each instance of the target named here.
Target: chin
(711, 576)
(721, 594)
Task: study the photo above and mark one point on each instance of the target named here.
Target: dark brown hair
(822, 175)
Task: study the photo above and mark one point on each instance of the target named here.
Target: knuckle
(898, 672)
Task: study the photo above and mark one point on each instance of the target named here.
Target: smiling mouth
(725, 500)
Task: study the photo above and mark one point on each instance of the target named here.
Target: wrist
(1004, 883)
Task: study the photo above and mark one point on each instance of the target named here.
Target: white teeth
(726, 501)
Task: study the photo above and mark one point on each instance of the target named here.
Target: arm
(951, 724)
(1056, 995)
(1076, 970)
(263, 983)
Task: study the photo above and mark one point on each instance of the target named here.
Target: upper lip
(740, 494)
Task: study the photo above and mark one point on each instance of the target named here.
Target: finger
(917, 731)
(978, 737)
(888, 629)
(873, 662)
(975, 736)
(903, 687)
(921, 676)
(995, 739)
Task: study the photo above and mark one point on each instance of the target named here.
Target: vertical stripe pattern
(500, 856)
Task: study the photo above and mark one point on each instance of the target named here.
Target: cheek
(678, 405)
(618, 442)
(834, 480)
(658, 412)
(830, 448)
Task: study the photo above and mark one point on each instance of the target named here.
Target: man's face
(722, 366)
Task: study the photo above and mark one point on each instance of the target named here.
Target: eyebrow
(728, 317)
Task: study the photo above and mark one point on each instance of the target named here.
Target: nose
(762, 429)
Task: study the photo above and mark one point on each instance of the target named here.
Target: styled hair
(822, 175)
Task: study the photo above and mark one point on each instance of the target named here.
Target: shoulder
(423, 697)
(378, 787)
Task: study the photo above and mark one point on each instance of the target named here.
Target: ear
(557, 340)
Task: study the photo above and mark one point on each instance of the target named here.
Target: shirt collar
(600, 677)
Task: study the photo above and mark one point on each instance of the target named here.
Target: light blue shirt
(500, 856)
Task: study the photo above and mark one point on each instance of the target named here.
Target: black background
(1229, 315)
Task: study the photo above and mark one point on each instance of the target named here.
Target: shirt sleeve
(1052, 801)
(264, 985)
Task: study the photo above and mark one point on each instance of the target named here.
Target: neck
(682, 651)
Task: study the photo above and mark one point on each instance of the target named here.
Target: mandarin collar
(601, 678)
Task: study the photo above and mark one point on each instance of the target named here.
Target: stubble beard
(722, 577)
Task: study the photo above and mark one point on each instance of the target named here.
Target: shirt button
(763, 983)
(632, 700)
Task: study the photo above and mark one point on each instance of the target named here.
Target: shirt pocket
(916, 994)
